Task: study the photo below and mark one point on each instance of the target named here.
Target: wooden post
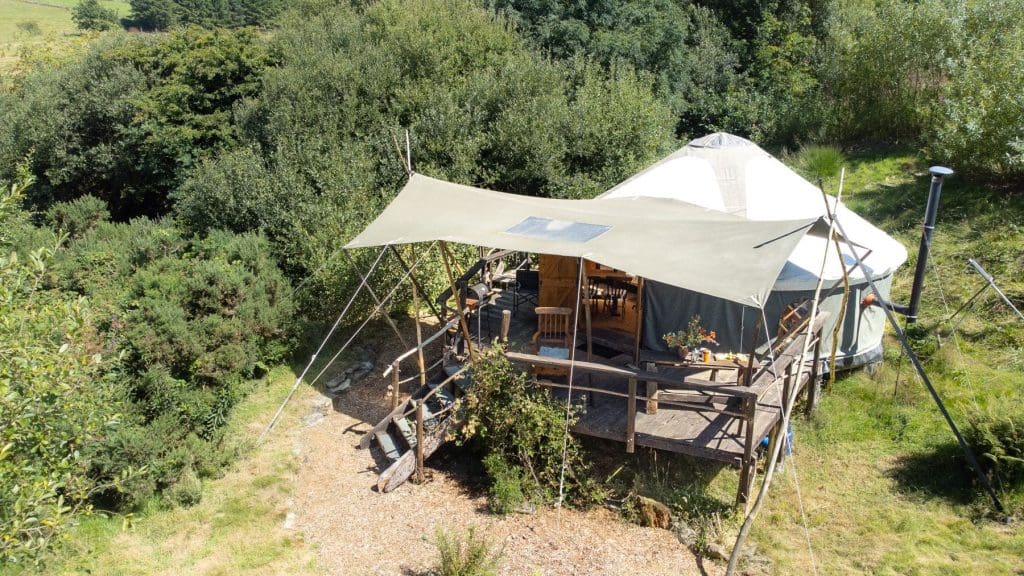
(652, 391)
(812, 384)
(639, 320)
(506, 323)
(415, 282)
(445, 255)
(631, 418)
(419, 443)
(419, 337)
(396, 385)
(749, 466)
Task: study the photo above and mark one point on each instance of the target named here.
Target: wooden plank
(631, 417)
(396, 385)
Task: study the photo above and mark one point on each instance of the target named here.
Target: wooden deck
(717, 411)
(702, 433)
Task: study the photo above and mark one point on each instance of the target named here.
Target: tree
(91, 15)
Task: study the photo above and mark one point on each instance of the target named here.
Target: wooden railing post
(419, 443)
(396, 385)
(652, 391)
(748, 468)
(631, 417)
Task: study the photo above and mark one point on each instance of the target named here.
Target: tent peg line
(312, 359)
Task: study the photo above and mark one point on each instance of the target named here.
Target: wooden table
(650, 361)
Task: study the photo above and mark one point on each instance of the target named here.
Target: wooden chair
(553, 337)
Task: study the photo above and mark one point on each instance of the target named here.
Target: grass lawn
(884, 486)
(24, 25)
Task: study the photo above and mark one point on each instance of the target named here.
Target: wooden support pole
(812, 384)
(631, 418)
(445, 255)
(419, 443)
(506, 323)
(419, 337)
(415, 282)
(639, 320)
(652, 390)
(749, 470)
(380, 305)
(396, 384)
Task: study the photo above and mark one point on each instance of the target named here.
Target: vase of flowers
(689, 338)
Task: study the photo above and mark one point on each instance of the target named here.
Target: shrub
(91, 15)
(997, 437)
(465, 555)
(54, 401)
(506, 490)
(522, 429)
(78, 216)
(187, 491)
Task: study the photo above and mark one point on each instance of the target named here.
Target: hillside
(882, 486)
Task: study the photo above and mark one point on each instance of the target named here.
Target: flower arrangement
(691, 337)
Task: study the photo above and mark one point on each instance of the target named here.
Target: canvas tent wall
(732, 175)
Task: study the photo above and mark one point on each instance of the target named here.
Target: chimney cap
(940, 171)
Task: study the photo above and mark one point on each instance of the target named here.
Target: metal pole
(992, 282)
(930, 214)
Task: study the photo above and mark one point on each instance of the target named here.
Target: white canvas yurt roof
(731, 174)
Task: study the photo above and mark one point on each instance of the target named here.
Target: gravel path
(359, 531)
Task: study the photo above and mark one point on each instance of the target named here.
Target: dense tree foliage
(91, 15)
(51, 367)
(126, 120)
(165, 14)
(320, 161)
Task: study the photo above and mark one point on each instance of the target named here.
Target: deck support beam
(631, 418)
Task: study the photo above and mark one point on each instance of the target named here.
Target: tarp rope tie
(568, 399)
(370, 316)
(312, 358)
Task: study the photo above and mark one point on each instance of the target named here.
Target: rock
(687, 536)
(527, 508)
(653, 513)
(289, 521)
(321, 404)
(366, 365)
(716, 551)
(338, 384)
(312, 419)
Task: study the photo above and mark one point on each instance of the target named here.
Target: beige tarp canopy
(665, 240)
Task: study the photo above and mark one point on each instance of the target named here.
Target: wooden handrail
(596, 368)
(415, 349)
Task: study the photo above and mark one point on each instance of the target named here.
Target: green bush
(125, 120)
(522, 430)
(465, 555)
(505, 494)
(78, 216)
(997, 437)
(91, 15)
(55, 403)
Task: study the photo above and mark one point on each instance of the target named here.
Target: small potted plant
(689, 338)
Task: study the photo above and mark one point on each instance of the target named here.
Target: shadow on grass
(938, 472)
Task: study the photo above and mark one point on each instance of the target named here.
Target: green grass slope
(884, 487)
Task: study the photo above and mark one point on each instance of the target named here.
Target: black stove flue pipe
(930, 213)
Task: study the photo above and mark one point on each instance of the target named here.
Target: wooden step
(407, 431)
(388, 445)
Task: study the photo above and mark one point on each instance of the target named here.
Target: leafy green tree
(155, 14)
(54, 403)
(125, 121)
(91, 15)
